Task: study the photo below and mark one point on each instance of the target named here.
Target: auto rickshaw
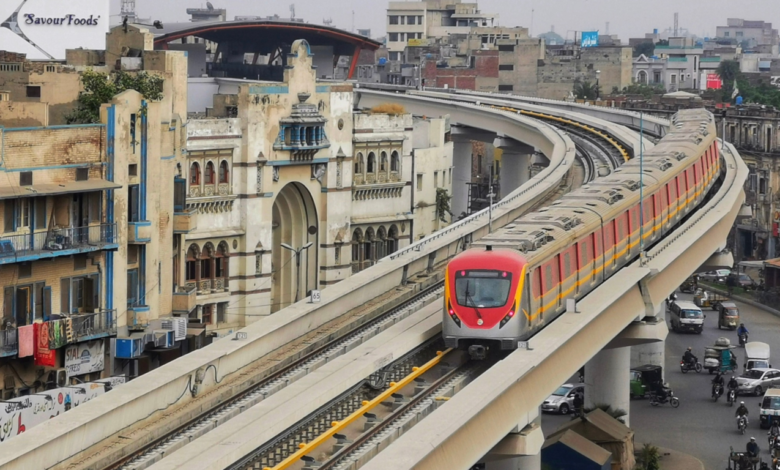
(728, 315)
(688, 285)
(741, 461)
(644, 380)
(706, 299)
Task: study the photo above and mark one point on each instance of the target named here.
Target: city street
(699, 426)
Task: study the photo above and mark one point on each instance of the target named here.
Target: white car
(756, 381)
(719, 275)
(562, 400)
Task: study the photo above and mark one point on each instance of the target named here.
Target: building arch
(191, 270)
(368, 248)
(395, 163)
(371, 163)
(383, 161)
(641, 77)
(391, 243)
(381, 242)
(221, 266)
(359, 163)
(357, 239)
(208, 174)
(195, 174)
(295, 223)
(224, 172)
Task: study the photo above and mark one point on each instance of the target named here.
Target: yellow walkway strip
(336, 426)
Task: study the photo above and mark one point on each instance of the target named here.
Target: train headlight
(452, 313)
(508, 316)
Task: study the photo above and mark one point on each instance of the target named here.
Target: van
(756, 356)
(770, 407)
(686, 316)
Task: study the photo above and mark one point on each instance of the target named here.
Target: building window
(391, 242)
(25, 270)
(506, 67)
(395, 164)
(359, 164)
(132, 169)
(395, 56)
(726, 34)
(224, 172)
(80, 294)
(371, 166)
(383, 161)
(23, 212)
(195, 174)
(133, 203)
(82, 174)
(436, 179)
(419, 19)
(208, 314)
(337, 255)
(132, 287)
(411, 20)
(419, 181)
(208, 175)
(450, 176)
(191, 273)
(393, 37)
(393, 19)
(258, 263)
(506, 87)
(33, 91)
(222, 312)
(506, 48)
(132, 254)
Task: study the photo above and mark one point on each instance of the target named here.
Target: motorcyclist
(718, 380)
(752, 448)
(733, 384)
(742, 330)
(742, 411)
(689, 357)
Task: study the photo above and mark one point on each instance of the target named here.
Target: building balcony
(9, 342)
(184, 220)
(57, 242)
(89, 326)
(184, 299)
(209, 286)
(139, 232)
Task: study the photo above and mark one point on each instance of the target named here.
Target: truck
(756, 356)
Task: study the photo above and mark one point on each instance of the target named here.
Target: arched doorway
(642, 77)
(295, 224)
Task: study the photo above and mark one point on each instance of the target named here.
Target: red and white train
(516, 280)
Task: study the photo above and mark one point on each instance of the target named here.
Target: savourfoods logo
(67, 20)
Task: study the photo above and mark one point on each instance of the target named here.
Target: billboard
(590, 39)
(714, 82)
(44, 29)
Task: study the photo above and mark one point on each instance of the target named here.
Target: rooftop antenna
(676, 18)
(353, 21)
(292, 11)
(531, 29)
(327, 21)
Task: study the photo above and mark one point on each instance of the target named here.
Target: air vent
(614, 197)
(665, 165)
(25, 178)
(82, 174)
(631, 185)
(680, 156)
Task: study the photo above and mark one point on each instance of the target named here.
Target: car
(562, 400)
(719, 275)
(757, 380)
(741, 280)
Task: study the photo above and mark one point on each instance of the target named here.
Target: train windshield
(482, 289)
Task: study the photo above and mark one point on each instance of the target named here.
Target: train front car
(483, 300)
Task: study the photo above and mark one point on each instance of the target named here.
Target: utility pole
(491, 195)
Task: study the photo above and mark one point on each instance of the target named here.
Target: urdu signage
(44, 29)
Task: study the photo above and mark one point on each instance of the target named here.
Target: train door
(598, 256)
(550, 287)
(568, 260)
(609, 247)
(664, 222)
(633, 230)
(584, 265)
(537, 300)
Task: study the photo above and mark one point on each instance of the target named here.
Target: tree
(644, 90)
(442, 204)
(100, 88)
(585, 90)
(616, 413)
(650, 458)
(646, 48)
(728, 71)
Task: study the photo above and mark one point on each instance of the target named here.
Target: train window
(647, 207)
(482, 288)
(634, 219)
(566, 265)
(664, 200)
(536, 282)
(609, 232)
(621, 226)
(548, 278)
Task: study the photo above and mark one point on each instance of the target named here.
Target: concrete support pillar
(651, 353)
(607, 379)
(522, 446)
(461, 162)
(515, 171)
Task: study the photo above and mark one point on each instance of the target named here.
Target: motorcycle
(743, 338)
(741, 424)
(656, 400)
(686, 366)
(717, 391)
(774, 446)
(731, 396)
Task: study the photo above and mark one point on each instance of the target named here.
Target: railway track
(137, 448)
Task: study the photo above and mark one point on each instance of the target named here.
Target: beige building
(297, 191)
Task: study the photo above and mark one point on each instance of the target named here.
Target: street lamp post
(491, 195)
(598, 92)
(297, 264)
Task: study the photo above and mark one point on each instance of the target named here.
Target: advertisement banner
(44, 29)
(714, 82)
(57, 336)
(84, 358)
(42, 354)
(590, 39)
(417, 42)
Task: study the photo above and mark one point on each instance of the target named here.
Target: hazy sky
(627, 18)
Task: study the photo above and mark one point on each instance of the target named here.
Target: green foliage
(649, 458)
(646, 91)
(763, 93)
(617, 413)
(646, 48)
(442, 204)
(100, 88)
(586, 90)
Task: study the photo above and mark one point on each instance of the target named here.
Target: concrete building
(748, 33)
(430, 19)
(682, 70)
(207, 14)
(87, 208)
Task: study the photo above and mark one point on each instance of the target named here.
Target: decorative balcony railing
(56, 241)
(94, 325)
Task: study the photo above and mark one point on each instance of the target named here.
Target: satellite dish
(209, 6)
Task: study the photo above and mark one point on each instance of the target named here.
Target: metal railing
(9, 341)
(58, 239)
(94, 324)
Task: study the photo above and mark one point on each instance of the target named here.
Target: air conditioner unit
(128, 348)
(164, 338)
(62, 377)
